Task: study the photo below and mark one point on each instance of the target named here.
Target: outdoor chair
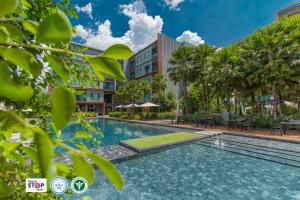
(225, 119)
(180, 119)
(210, 121)
(245, 124)
(276, 126)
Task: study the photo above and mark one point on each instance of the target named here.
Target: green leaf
(31, 153)
(118, 51)
(62, 169)
(23, 59)
(109, 170)
(31, 26)
(59, 67)
(10, 89)
(4, 190)
(4, 35)
(9, 119)
(8, 6)
(15, 33)
(55, 28)
(100, 75)
(107, 66)
(44, 153)
(63, 105)
(83, 168)
(25, 5)
(82, 134)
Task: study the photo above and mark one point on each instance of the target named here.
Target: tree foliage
(32, 35)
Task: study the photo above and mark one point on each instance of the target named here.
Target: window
(154, 51)
(147, 67)
(147, 55)
(139, 60)
(108, 85)
(154, 67)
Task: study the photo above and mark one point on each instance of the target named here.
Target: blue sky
(217, 22)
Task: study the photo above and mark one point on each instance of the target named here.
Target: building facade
(153, 59)
(100, 99)
(289, 11)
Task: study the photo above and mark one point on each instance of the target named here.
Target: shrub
(84, 114)
(166, 115)
(262, 121)
(115, 114)
(134, 116)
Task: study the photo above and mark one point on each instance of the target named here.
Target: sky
(136, 23)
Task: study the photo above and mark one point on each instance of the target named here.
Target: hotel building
(99, 99)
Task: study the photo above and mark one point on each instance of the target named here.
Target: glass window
(154, 67)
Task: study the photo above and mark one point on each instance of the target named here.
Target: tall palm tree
(223, 72)
(158, 87)
(275, 57)
(200, 70)
(181, 68)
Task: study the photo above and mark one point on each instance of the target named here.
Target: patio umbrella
(131, 105)
(120, 106)
(148, 105)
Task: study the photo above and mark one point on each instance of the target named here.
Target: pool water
(199, 172)
(114, 131)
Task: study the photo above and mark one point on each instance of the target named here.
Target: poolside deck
(291, 137)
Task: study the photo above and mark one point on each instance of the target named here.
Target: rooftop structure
(291, 10)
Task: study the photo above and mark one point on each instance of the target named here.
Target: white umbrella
(148, 104)
(131, 105)
(120, 106)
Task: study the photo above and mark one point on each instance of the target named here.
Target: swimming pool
(197, 171)
(114, 130)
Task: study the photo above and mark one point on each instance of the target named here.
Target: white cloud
(173, 4)
(88, 9)
(190, 37)
(143, 29)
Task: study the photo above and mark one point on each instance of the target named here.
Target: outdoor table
(285, 126)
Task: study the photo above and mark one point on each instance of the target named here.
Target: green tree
(224, 64)
(122, 95)
(272, 54)
(146, 88)
(201, 68)
(134, 91)
(30, 34)
(158, 87)
(181, 69)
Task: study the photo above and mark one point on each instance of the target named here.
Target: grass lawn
(158, 140)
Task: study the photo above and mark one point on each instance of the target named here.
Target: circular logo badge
(59, 185)
(79, 185)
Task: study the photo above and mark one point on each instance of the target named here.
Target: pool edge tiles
(184, 138)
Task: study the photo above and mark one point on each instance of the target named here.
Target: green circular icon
(79, 185)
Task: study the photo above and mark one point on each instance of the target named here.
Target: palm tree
(145, 88)
(180, 71)
(201, 66)
(223, 72)
(158, 87)
(275, 58)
